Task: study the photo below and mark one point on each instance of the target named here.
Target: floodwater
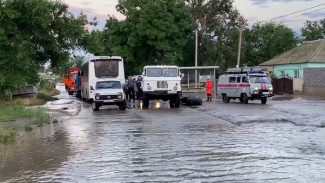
(279, 142)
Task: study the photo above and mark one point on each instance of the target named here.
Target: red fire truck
(69, 79)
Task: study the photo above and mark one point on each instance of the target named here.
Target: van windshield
(259, 79)
(106, 68)
(162, 72)
(108, 85)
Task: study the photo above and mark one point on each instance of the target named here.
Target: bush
(46, 97)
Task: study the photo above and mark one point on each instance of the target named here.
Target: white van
(245, 84)
(161, 82)
(103, 77)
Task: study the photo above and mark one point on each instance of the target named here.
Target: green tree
(63, 68)
(216, 20)
(94, 42)
(32, 33)
(152, 30)
(266, 41)
(313, 30)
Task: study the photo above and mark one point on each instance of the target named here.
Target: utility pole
(196, 47)
(240, 40)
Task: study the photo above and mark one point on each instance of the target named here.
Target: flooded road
(216, 142)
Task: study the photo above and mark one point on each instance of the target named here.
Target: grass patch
(45, 97)
(51, 93)
(49, 90)
(7, 135)
(31, 101)
(14, 111)
(41, 116)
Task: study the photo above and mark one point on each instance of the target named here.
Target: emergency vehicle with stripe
(245, 84)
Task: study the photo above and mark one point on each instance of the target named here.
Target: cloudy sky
(253, 10)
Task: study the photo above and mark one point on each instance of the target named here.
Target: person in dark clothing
(131, 84)
(126, 92)
(140, 92)
(78, 85)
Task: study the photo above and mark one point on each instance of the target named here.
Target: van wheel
(95, 106)
(264, 100)
(245, 98)
(69, 92)
(225, 98)
(145, 101)
(122, 107)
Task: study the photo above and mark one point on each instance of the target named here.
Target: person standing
(208, 87)
(126, 92)
(78, 85)
(139, 93)
(131, 84)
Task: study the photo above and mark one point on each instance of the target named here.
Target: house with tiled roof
(292, 63)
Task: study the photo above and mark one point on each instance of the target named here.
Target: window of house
(232, 79)
(296, 73)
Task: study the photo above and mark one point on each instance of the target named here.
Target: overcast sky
(252, 10)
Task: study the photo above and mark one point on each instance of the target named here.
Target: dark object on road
(191, 100)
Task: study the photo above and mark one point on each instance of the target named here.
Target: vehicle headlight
(175, 87)
(97, 96)
(271, 89)
(256, 89)
(120, 95)
(149, 87)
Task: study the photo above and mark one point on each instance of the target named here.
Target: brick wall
(314, 77)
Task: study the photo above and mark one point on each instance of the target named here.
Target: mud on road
(216, 142)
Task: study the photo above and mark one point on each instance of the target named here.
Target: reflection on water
(157, 105)
(166, 146)
(42, 150)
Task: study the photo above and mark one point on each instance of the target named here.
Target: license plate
(108, 97)
(265, 93)
(108, 100)
(172, 92)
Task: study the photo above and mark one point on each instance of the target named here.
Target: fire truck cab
(245, 84)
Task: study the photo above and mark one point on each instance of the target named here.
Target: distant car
(51, 81)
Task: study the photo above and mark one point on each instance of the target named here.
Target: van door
(231, 92)
(238, 89)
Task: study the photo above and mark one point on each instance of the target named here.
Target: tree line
(35, 32)
(164, 30)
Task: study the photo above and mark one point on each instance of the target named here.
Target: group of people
(132, 89)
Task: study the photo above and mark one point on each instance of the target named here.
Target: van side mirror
(91, 88)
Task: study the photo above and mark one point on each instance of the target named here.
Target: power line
(308, 13)
(292, 13)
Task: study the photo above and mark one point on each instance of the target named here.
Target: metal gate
(282, 85)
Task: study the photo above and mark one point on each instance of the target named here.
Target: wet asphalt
(282, 141)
